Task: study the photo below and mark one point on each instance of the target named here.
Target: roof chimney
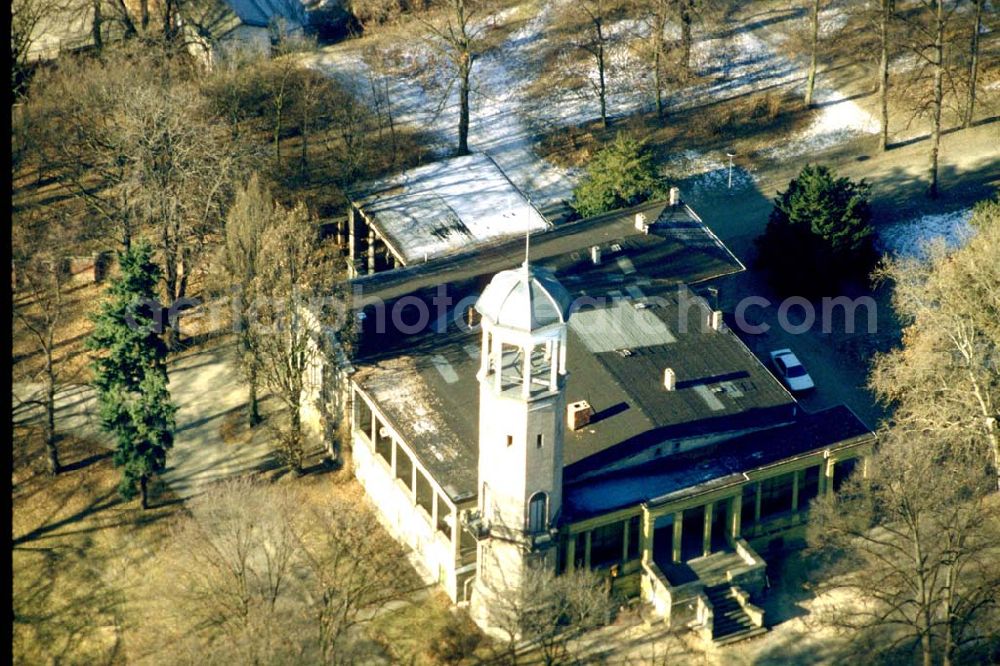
(595, 254)
(675, 196)
(640, 223)
(578, 414)
(715, 320)
(670, 379)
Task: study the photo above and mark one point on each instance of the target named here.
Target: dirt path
(206, 387)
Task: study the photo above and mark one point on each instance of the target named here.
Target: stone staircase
(730, 622)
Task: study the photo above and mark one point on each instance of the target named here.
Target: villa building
(585, 407)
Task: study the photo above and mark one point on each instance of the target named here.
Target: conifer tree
(130, 373)
(620, 175)
(819, 232)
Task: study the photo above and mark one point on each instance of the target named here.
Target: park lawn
(78, 549)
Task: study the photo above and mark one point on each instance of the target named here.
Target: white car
(791, 371)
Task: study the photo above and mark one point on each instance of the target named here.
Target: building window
(808, 486)
(634, 537)
(404, 468)
(444, 511)
(842, 469)
(536, 513)
(425, 494)
(606, 544)
(539, 441)
(383, 443)
(776, 495)
(362, 415)
(510, 440)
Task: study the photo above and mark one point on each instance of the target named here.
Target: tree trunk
(970, 106)
(932, 189)
(464, 69)
(659, 23)
(602, 90)
(814, 48)
(96, 25)
(143, 492)
(144, 14)
(254, 406)
(883, 72)
(686, 7)
(50, 415)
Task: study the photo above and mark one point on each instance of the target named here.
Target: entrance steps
(730, 622)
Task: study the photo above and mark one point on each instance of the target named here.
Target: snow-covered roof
(525, 298)
(447, 206)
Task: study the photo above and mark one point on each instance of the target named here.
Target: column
(526, 383)
(625, 541)
(646, 536)
(371, 250)
(735, 516)
(795, 490)
(571, 552)
(756, 508)
(352, 270)
(706, 537)
(393, 448)
(827, 477)
(678, 534)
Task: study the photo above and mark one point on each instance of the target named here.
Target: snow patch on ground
(908, 238)
(838, 120)
(705, 174)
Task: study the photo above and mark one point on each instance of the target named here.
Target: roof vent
(578, 414)
(670, 379)
(715, 320)
(595, 254)
(625, 352)
(675, 196)
(640, 223)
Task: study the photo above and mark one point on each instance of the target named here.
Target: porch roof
(676, 476)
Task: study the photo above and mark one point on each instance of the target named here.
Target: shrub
(819, 233)
(457, 640)
(621, 174)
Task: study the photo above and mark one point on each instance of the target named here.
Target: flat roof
(720, 464)
(635, 317)
(441, 208)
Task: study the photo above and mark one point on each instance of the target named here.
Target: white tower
(522, 408)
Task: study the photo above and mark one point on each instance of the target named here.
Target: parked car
(791, 371)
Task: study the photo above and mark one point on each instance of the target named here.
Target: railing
(746, 553)
(755, 613)
(656, 589)
(705, 616)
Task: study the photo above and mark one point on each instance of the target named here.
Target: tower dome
(525, 299)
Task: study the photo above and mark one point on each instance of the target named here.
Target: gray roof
(525, 298)
(442, 208)
(713, 466)
(616, 361)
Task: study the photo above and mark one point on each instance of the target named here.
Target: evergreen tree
(130, 374)
(621, 174)
(819, 233)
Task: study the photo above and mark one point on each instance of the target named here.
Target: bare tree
(916, 546)
(457, 36)
(929, 29)
(298, 301)
(353, 572)
(264, 573)
(26, 19)
(977, 25)
(230, 571)
(586, 24)
(247, 221)
(886, 10)
(813, 50)
(136, 143)
(544, 612)
(946, 378)
(40, 306)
